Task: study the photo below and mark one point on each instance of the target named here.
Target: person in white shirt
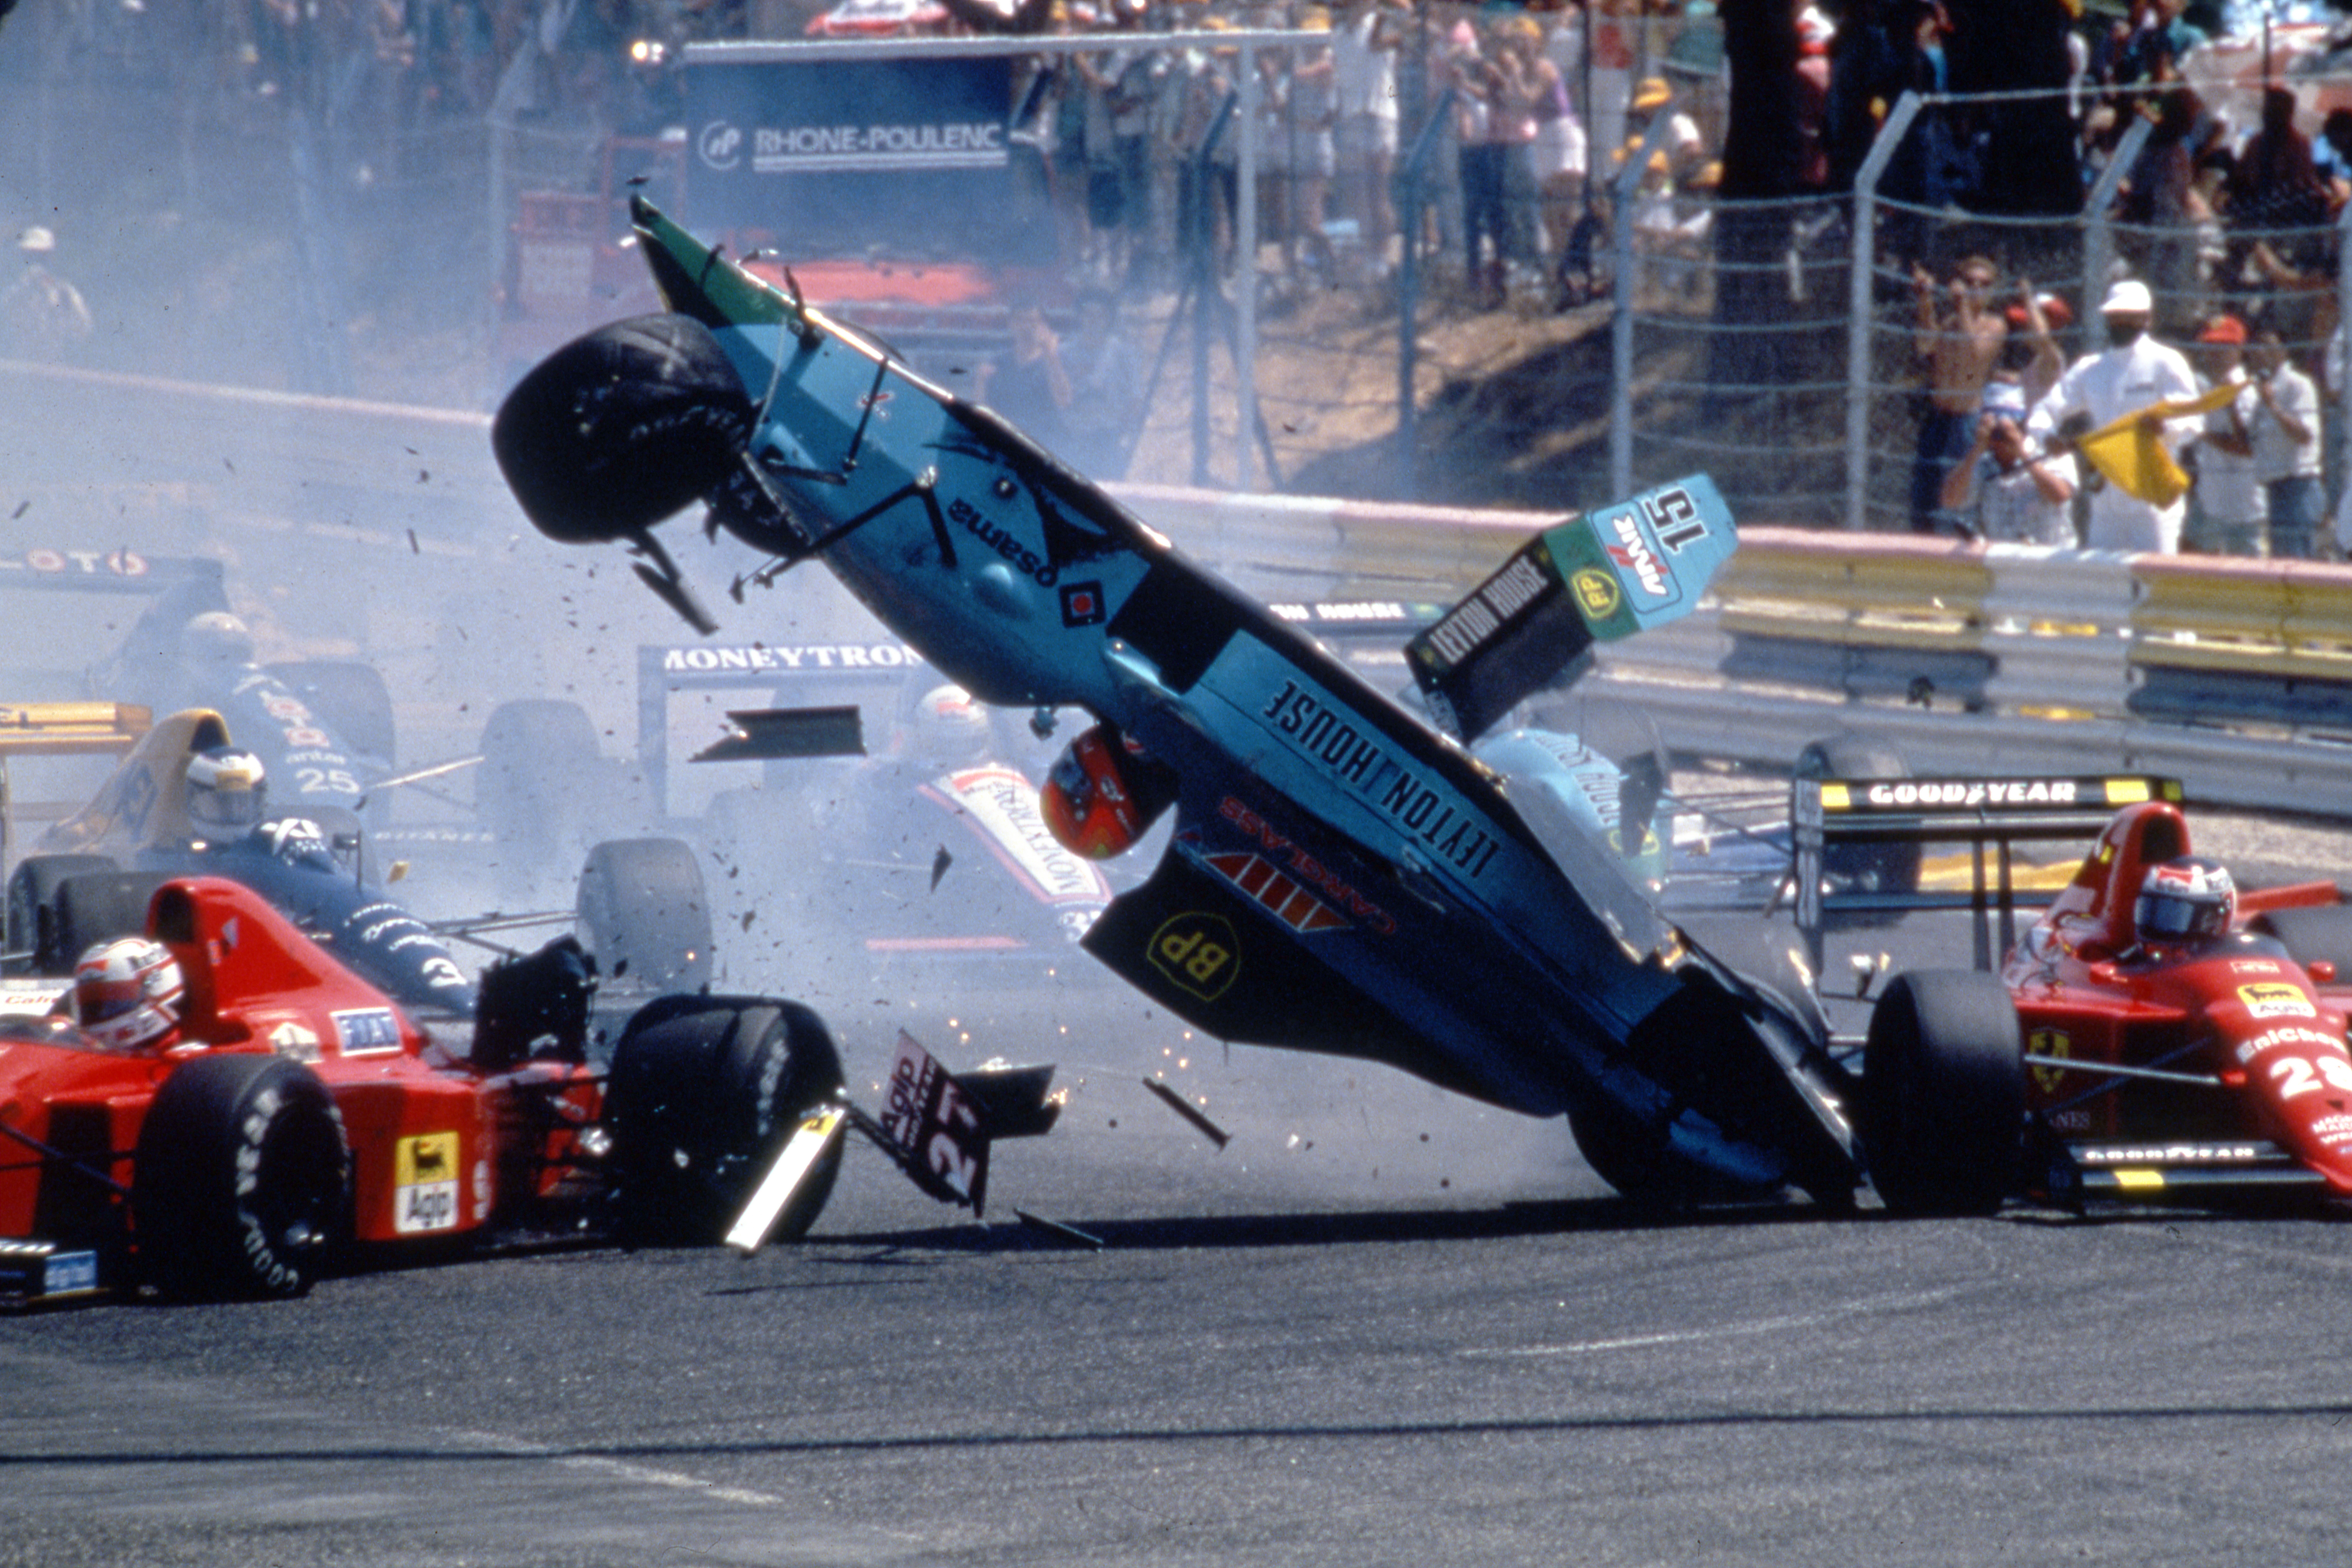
(2131, 375)
(2021, 494)
(2285, 430)
(1364, 80)
(2229, 499)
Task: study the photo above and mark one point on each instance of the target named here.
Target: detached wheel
(2321, 935)
(617, 430)
(1943, 1094)
(243, 1181)
(32, 912)
(703, 1091)
(644, 912)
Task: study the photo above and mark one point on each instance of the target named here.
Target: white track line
(678, 1480)
(1727, 1332)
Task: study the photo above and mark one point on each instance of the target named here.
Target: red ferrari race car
(2156, 1034)
(220, 1109)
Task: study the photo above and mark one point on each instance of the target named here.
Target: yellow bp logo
(424, 1183)
(1198, 952)
(2049, 1043)
(1596, 592)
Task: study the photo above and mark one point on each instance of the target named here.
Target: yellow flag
(2137, 462)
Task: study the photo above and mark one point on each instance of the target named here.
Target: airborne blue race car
(1343, 876)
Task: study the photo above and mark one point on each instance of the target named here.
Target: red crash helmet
(2187, 900)
(1088, 803)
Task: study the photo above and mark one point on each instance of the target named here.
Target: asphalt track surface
(1382, 1325)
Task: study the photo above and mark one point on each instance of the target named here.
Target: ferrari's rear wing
(1844, 828)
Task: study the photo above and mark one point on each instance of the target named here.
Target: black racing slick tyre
(243, 1181)
(98, 906)
(703, 1091)
(617, 430)
(1863, 867)
(645, 914)
(541, 765)
(2318, 935)
(35, 945)
(1943, 1094)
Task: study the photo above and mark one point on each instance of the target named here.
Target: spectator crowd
(2224, 181)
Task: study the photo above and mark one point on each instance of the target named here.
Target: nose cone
(2301, 1077)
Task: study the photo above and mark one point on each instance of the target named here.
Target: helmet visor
(225, 808)
(2173, 917)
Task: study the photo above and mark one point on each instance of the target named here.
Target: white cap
(2128, 297)
(37, 239)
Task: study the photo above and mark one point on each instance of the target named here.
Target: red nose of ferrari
(2298, 1071)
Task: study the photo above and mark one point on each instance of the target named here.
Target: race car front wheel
(703, 1090)
(1943, 1093)
(35, 945)
(645, 914)
(243, 1180)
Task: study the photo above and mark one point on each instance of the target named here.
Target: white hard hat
(2129, 297)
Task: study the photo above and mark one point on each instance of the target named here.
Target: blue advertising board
(906, 158)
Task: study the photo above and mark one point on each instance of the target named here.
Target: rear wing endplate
(1829, 815)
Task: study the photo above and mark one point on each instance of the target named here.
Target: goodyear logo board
(1898, 795)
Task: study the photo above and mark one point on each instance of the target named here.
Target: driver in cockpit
(2184, 902)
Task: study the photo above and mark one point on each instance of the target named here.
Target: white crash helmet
(127, 992)
(217, 637)
(226, 790)
(951, 730)
(2187, 900)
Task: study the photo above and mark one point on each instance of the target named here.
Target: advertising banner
(907, 158)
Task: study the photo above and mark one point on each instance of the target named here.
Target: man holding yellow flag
(2123, 386)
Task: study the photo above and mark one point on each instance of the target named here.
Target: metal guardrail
(2233, 676)
(1973, 659)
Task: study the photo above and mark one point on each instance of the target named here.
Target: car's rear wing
(59, 730)
(1837, 824)
(842, 676)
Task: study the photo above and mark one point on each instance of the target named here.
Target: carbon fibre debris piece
(1177, 1103)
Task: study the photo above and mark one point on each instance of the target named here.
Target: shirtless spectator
(1960, 348)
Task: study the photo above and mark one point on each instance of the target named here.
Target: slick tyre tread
(33, 909)
(645, 913)
(243, 1181)
(1874, 867)
(703, 1090)
(98, 906)
(619, 429)
(1943, 1094)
